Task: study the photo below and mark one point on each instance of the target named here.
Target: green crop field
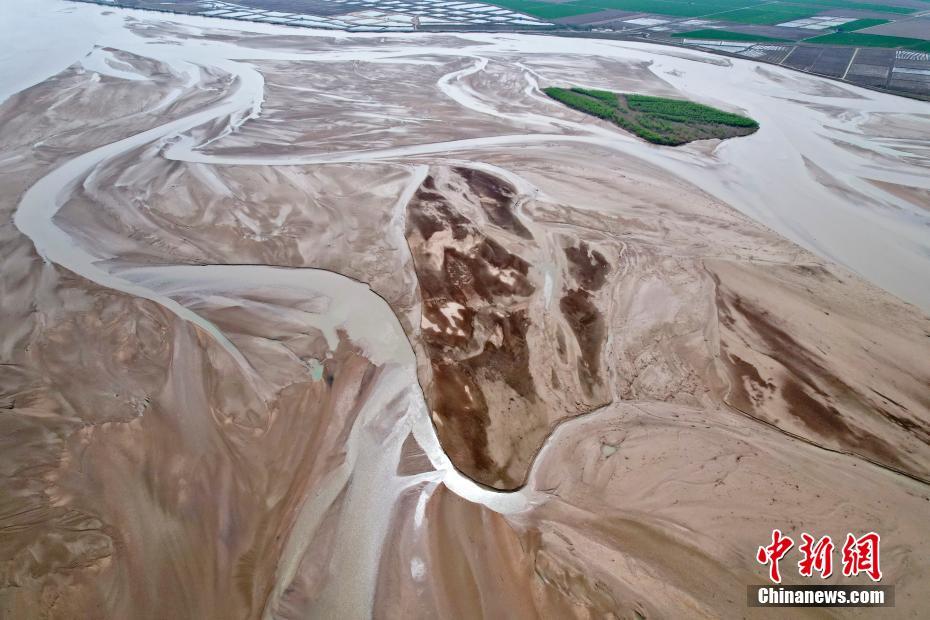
(769, 14)
(672, 8)
(749, 12)
(669, 122)
(847, 4)
(860, 24)
(870, 40)
(725, 35)
(545, 10)
(761, 12)
(676, 8)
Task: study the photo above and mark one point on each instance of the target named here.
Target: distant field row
(675, 8)
(750, 12)
(726, 35)
(870, 40)
(740, 11)
(850, 39)
(861, 24)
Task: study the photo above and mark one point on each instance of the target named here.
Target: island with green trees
(670, 122)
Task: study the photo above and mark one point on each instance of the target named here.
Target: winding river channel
(766, 176)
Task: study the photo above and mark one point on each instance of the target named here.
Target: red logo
(773, 553)
(860, 555)
(817, 557)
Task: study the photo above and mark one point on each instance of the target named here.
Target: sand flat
(310, 324)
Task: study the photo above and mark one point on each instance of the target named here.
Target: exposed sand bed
(258, 246)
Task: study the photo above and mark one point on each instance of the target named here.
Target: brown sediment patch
(906, 424)
(460, 378)
(461, 384)
(432, 213)
(817, 272)
(458, 403)
(479, 271)
(809, 390)
(588, 325)
(497, 198)
(587, 266)
(561, 345)
(474, 322)
(779, 344)
(917, 196)
(413, 459)
(589, 269)
(496, 375)
(826, 421)
(821, 418)
(510, 359)
(442, 328)
(746, 375)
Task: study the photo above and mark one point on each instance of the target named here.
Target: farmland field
(860, 24)
(724, 35)
(889, 7)
(899, 24)
(740, 11)
(674, 8)
(770, 14)
(825, 37)
(871, 40)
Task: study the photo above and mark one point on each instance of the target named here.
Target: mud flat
(431, 344)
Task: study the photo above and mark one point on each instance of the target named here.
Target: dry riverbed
(301, 324)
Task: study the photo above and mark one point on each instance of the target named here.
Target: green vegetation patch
(724, 35)
(860, 24)
(545, 10)
(869, 40)
(555, 11)
(864, 6)
(676, 8)
(769, 14)
(671, 122)
(740, 11)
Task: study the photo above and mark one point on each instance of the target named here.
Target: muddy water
(767, 176)
(807, 125)
(351, 307)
